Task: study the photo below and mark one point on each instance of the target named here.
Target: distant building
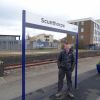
(42, 41)
(89, 33)
(43, 37)
(98, 20)
(10, 42)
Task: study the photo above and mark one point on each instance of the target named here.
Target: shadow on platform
(88, 89)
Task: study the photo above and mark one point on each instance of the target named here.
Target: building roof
(84, 19)
(35, 37)
(44, 34)
(11, 35)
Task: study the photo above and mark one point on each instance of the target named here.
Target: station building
(89, 33)
(10, 42)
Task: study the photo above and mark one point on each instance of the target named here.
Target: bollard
(1, 68)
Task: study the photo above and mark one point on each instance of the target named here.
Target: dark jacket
(66, 60)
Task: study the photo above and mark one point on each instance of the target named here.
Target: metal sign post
(76, 67)
(23, 54)
(49, 24)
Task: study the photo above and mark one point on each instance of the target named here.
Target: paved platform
(88, 89)
(41, 80)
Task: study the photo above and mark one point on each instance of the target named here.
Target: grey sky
(10, 11)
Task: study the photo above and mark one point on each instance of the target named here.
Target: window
(96, 38)
(73, 37)
(46, 36)
(94, 35)
(73, 23)
(99, 33)
(95, 25)
(18, 38)
(95, 32)
(82, 23)
(82, 29)
(77, 23)
(82, 37)
(47, 40)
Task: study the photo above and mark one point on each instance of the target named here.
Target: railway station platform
(88, 89)
(41, 82)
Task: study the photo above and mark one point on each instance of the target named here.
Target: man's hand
(72, 67)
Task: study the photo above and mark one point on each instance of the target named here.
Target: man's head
(67, 45)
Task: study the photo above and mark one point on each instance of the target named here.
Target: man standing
(65, 64)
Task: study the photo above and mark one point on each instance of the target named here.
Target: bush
(98, 62)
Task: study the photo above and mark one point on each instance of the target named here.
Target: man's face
(67, 46)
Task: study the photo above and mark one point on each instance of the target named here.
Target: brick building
(89, 33)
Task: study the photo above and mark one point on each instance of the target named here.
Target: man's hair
(66, 43)
(62, 47)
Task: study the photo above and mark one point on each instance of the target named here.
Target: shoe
(58, 94)
(70, 95)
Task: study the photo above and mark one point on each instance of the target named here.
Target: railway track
(37, 63)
